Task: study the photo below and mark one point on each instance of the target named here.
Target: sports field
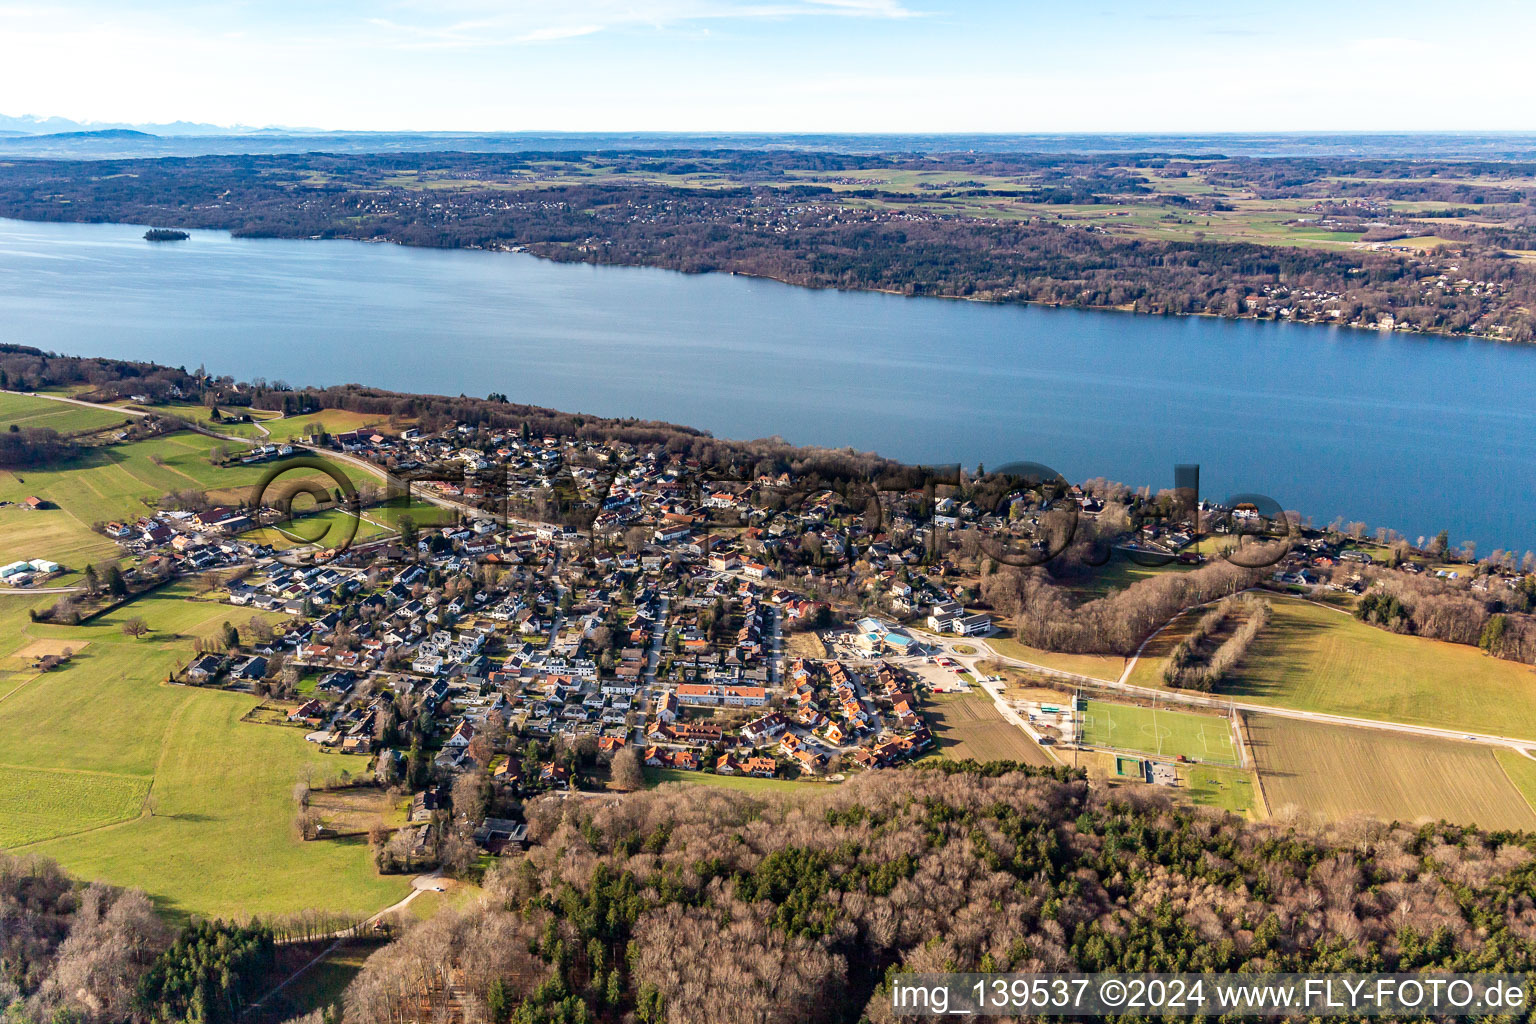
(80, 747)
(1230, 789)
(1158, 731)
(1335, 771)
(968, 725)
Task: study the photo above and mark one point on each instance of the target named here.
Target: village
(560, 615)
(680, 631)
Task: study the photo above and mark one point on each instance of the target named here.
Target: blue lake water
(1412, 433)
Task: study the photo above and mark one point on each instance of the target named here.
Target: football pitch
(1157, 731)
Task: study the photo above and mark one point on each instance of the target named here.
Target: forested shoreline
(761, 222)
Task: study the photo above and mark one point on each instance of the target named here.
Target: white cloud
(470, 23)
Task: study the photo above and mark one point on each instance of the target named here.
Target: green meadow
(119, 482)
(119, 776)
(28, 413)
(1319, 659)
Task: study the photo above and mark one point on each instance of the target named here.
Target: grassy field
(1158, 731)
(968, 725)
(322, 985)
(1521, 771)
(333, 421)
(28, 413)
(1095, 666)
(116, 482)
(329, 525)
(1335, 771)
(35, 803)
(214, 836)
(1316, 659)
(459, 896)
(54, 534)
(1231, 789)
(199, 415)
(746, 783)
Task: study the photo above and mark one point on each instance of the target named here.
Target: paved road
(1221, 704)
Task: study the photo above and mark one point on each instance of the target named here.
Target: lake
(1412, 433)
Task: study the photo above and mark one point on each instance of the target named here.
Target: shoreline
(524, 249)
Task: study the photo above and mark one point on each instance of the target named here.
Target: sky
(776, 65)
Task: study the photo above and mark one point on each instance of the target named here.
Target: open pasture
(212, 836)
(1317, 659)
(118, 482)
(39, 803)
(29, 412)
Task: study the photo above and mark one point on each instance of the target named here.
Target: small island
(165, 235)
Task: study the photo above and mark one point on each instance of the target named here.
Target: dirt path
(420, 884)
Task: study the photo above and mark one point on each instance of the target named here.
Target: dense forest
(71, 952)
(761, 222)
(694, 905)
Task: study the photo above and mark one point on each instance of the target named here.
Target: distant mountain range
(62, 138)
(29, 124)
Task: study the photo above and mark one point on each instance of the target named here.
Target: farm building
(36, 565)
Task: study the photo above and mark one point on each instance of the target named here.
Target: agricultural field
(54, 534)
(968, 725)
(1197, 199)
(1335, 771)
(1158, 731)
(28, 413)
(34, 801)
(213, 835)
(332, 421)
(1521, 769)
(1316, 659)
(199, 415)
